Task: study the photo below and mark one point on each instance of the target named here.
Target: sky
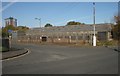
(58, 13)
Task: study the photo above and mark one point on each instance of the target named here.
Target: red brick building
(11, 21)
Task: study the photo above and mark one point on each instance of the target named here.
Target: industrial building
(67, 34)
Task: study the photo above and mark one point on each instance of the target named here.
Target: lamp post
(94, 37)
(39, 21)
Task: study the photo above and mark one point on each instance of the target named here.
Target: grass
(3, 49)
(80, 44)
(107, 43)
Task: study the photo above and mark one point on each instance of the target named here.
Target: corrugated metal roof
(73, 28)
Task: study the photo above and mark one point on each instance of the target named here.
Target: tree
(48, 25)
(83, 23)
(22, 28)
(73, 23)
(116, 28)
(6, 33)
(5, 30)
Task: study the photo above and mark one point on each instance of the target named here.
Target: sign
(9, 31)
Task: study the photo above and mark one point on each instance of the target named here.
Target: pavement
(54, 59)
(115, 48)
(13, 53)
(16, 53)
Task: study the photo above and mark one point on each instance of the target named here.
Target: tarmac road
(55, 59)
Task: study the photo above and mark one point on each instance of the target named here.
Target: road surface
(55, 59)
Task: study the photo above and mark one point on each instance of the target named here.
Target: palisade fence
(64, 37)
(67, 34)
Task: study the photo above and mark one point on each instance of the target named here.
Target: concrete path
(13, 54)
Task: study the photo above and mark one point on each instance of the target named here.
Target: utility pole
(94, 37)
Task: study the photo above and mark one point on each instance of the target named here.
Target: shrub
(107, 43)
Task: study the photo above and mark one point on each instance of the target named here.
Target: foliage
(22, 28)
(107, 43)
(5, 32)
(3, 49)
(116, 28)
(48, 25)
(73, 23)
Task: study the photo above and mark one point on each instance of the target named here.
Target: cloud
(71, 20)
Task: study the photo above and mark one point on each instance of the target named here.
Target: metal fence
(82, 37)
(56, 38)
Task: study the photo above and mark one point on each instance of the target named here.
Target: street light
(94, 37)
(39, 21)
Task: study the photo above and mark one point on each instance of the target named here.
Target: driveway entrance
(44, 39)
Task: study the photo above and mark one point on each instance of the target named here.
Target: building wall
(72, 34)
(11, 21)
(63, 37)
(74, 39)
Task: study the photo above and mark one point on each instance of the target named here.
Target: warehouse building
(67, 34)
